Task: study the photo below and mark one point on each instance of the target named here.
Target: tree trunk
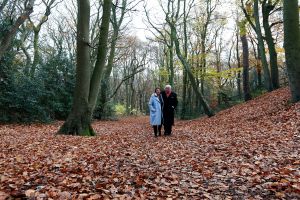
(116, 24)
(85, 94)
(79, 120)
(10, 35)
(246, 85)
(208, 111)
(271, 45)
(292, 45)
(36, 54)
(101, 55)
(171, 62)
(184, 74)
(258, 68)
(238, 80)
(267, 77)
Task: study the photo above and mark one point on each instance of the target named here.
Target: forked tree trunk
(87, 84)
(10, 35)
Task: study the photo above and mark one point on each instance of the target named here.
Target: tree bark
(101, 56)
(86, 87)
(292, 45)
(238, 80)
(79, 120)
(36, 53)
(267, 77)
(266, 10)
(246, 85)
(10, 35)
(208, 111)
(108, 69)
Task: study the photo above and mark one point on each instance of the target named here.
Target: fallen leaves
(250, 151)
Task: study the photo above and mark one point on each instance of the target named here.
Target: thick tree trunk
(86, 88)
(292, 45)
(271, 46)
(267, 77)
(79, 120)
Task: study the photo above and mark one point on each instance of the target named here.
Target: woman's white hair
(168, 86)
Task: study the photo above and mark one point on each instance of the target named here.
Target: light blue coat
(155, 110)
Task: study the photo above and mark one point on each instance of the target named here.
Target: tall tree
(246, 85)
(116, 21)
(171, 18)
(256, 27)
(267, 7)
(11, 33)
(87, 83)
(49, 4)
(292, 45)
(262, 51)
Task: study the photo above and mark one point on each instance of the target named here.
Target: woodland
(75, 81)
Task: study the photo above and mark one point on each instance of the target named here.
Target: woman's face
(157, 91)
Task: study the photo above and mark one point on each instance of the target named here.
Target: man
(170, 102)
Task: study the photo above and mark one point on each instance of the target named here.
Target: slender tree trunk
(105, 80)
(208, 111)
(10, 35)
(271, 46)
(246, 85)
(292, 45)
(101, 55)
(184, 74)
(116, 24)
(258, 68)
(267, 77)
(36, 54)
(238, 80)
(171, 62)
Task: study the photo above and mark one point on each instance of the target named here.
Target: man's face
(168, 90)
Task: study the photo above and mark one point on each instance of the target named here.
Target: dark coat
(169, 106)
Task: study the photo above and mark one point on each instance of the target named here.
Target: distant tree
(10, 34)
(246, 85)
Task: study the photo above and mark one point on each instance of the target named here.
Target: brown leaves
(250, 151)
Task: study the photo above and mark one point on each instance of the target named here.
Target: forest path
(251, 150)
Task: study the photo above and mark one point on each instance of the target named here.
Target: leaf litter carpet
(250, 151)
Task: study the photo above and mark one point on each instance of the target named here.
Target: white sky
(137, 26)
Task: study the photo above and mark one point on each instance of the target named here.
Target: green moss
(88, 132)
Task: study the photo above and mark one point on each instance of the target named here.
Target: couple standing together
(162, 106)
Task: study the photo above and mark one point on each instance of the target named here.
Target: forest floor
(250, 151)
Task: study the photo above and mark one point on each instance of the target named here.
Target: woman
(155, 105)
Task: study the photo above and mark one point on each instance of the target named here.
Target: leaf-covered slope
(249, 150)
